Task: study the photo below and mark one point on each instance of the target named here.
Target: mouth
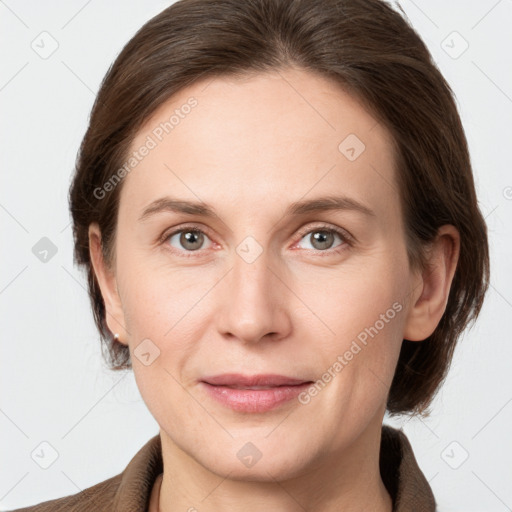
(240, 381)
(255, 393)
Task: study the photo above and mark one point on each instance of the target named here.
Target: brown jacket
(130, 490)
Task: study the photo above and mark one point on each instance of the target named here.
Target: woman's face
(266, 284)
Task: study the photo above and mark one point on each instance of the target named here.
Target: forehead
(247, 140)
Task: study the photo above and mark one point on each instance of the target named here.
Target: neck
(347, 480)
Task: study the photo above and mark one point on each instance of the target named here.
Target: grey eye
(322, 239)
(189, 239)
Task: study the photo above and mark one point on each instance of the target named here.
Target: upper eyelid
(190, 227)
(327, 227)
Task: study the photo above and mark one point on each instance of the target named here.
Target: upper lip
(237, 379)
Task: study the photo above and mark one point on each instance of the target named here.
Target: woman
(275, 207)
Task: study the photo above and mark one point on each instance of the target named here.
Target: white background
(56, 388)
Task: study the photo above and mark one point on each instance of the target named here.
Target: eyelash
(347, 239)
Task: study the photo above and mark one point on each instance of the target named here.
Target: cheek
(356, 298)
(165, 316)
(158, 311)
(363, 312)
(157, 297)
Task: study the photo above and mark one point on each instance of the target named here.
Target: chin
(243, 464)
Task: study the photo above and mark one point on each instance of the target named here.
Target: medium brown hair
(373, 52)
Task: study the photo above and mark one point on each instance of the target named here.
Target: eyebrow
(328, 203)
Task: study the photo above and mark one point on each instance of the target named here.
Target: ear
(430, 294)
(108, 285)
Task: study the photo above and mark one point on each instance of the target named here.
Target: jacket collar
(401, 474)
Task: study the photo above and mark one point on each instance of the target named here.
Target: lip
(268, 391)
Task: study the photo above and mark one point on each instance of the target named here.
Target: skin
(250, 148)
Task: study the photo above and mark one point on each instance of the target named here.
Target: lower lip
(254, 400)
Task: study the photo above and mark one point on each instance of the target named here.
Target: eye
(186, 239)
(322, 238)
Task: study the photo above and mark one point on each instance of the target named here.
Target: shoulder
(129, 490)
(97, 497)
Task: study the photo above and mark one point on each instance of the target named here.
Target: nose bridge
(251, 273)
(252, 308)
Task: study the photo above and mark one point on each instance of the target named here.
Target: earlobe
(108, 285)
(430, 295)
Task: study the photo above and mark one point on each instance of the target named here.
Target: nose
(254, 303)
